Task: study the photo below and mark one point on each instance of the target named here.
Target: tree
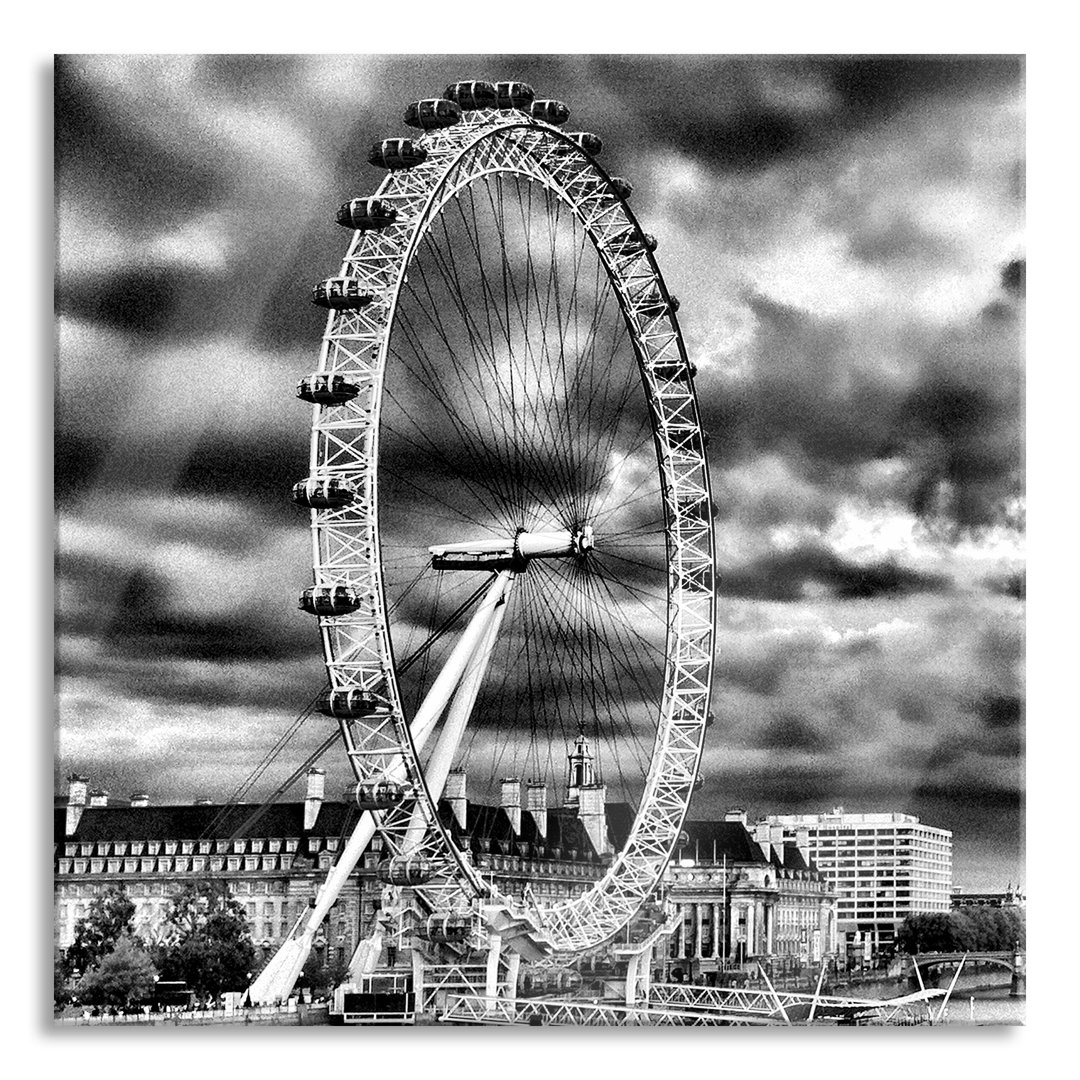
(111, 916)
(61, 978)
(123, 976)
(320, 976)
(211, 947)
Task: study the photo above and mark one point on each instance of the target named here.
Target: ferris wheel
(511, 516)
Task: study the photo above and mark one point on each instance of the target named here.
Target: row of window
(181, 864)
(205, 847)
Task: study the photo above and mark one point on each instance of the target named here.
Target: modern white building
(882, 867)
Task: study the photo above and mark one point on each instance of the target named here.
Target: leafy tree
(123, 975)
(969, 929)
(62, 968)
(211, 947)
(320, 977)
(110, 917)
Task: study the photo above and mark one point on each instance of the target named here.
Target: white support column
(751, 916)
(699, 948)
(492, 608)
(513, 970)
(718, 930)
(491, 986)
(632, 978)
(277, 979)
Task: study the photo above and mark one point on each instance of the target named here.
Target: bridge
(684, 1005)
(1013, 960)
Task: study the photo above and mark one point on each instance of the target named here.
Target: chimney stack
(316, 789)
(536, 804)
(140, 799)
(454, 794)
(510, 801)
(592, 802)
(736, 813)
(776, 838)
(802, 842)
(77, 787)
(763, 837)
(203, 801)
(99, 797)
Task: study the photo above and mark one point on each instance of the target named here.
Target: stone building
(746, 896)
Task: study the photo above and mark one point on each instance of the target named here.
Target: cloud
(845, 235)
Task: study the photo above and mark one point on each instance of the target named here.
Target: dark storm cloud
(842, 234)
(792, 576)
(159, 184)
(146, 624)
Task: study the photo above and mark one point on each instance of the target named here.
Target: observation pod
(325, 389)
(405, 870)
(445, 928)
(632, 242)
(323, 493)
(656, 305)
(621, 186)
(329, 600)
(673, 369)
(551, 112)
(341, 294)
(514, 95)
(473, 95)
(351, 703)
(590, 143)
(433, 114)
(380, 794)
(568, 981)
(366, 214)
(396, 154)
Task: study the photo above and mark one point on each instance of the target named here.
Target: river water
(979, 998)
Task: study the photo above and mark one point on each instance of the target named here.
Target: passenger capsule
(379, 794)
(351, 703)
(329, 600)
(325, 389)
(568, 981)
(433, 114)
(621, 186)
(632, 242)
(514, 95)
(590, 143)
(323, 493)
(405, 870)
(366, 214)
(473, 95)
(673, 369)
(551, 112)
(396, 154)
(655, 305)
(342, 294)
(445, 928)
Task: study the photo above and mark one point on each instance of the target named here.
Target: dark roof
(195, 822)
(731, 838)
(793, 858)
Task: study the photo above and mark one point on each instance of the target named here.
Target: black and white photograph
(539, 541)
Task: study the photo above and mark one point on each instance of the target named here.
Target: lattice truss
(345, 446)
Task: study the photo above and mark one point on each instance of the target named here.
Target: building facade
(272, 859)
(882, 867)
(746, 897)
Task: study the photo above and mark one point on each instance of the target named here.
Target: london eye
(511, 515)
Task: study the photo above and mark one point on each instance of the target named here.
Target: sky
(846, 239)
